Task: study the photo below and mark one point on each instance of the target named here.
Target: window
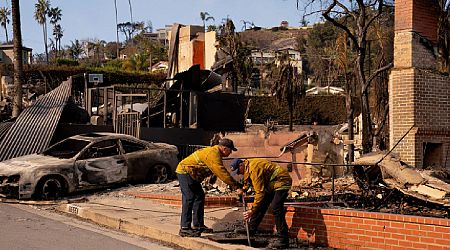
(66, 149)
(129, 146)
(102, 149)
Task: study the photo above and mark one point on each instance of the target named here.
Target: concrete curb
(146, 231)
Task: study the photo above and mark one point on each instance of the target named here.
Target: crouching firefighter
(271, 184)
(191, 171)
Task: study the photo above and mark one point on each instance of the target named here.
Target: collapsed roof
(33, 129)
(428, 185)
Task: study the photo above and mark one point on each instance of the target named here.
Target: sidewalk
(154, 220)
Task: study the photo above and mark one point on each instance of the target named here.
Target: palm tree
(40, 14)
(55, 16)
(117, 30)
(205, 16)
(75, 49)
(58, 34)
(18, 62)
(131, 11)
(287, 85)
(4, 20)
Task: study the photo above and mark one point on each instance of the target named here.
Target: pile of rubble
(428, 185)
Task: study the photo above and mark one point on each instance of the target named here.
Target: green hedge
(326, 110)
(56, 74)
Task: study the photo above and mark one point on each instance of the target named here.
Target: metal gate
(129, 124)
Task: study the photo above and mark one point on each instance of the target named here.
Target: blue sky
(83, 19)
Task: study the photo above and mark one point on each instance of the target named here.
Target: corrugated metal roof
(4, 127)
(34, 128)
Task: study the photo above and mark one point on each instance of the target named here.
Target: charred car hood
(28, 162)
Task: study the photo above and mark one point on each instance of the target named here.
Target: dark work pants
(193, 201)
(276, 200)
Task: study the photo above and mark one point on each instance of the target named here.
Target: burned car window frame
(66, 149)
(94, 150)
(134, 144)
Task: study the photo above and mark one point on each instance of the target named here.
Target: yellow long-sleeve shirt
(203, 163)
(264, 176)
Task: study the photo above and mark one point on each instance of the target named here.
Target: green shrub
(326, 110)
(66, 62)
(113, 65)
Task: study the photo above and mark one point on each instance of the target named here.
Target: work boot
(204, 229)
(189, 232)
(280, 243)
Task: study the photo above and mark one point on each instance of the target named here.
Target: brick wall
(351, 229)
(417, 95)
(412, 50)
(345, 229)
(418, 15)
(257, 144)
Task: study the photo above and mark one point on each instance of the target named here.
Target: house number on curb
(73, 209)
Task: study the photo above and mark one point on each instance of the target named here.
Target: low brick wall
(344, 229)
(351, 229)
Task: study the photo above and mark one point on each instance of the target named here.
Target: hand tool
(246, 222)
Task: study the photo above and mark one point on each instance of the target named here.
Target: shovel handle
(246, 222)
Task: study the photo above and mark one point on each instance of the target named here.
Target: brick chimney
(418, 95)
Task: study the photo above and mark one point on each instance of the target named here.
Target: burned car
(86, 161)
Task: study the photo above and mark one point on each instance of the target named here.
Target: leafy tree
(94, 51)
(113, 65)
(18, 63)
(111, 49)
(205, 16)
(321, 53)
(155, 50)
(4, 20)
(138, 62)
(129, 29)
(355, 19)
(41, 9)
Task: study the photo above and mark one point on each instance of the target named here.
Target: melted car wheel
(159, 174)
(51, 188)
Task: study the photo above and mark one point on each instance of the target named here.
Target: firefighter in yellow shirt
(191, 171)
(271, 184)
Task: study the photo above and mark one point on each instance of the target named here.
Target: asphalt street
(28, 227)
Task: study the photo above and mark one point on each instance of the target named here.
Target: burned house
(188, 103)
